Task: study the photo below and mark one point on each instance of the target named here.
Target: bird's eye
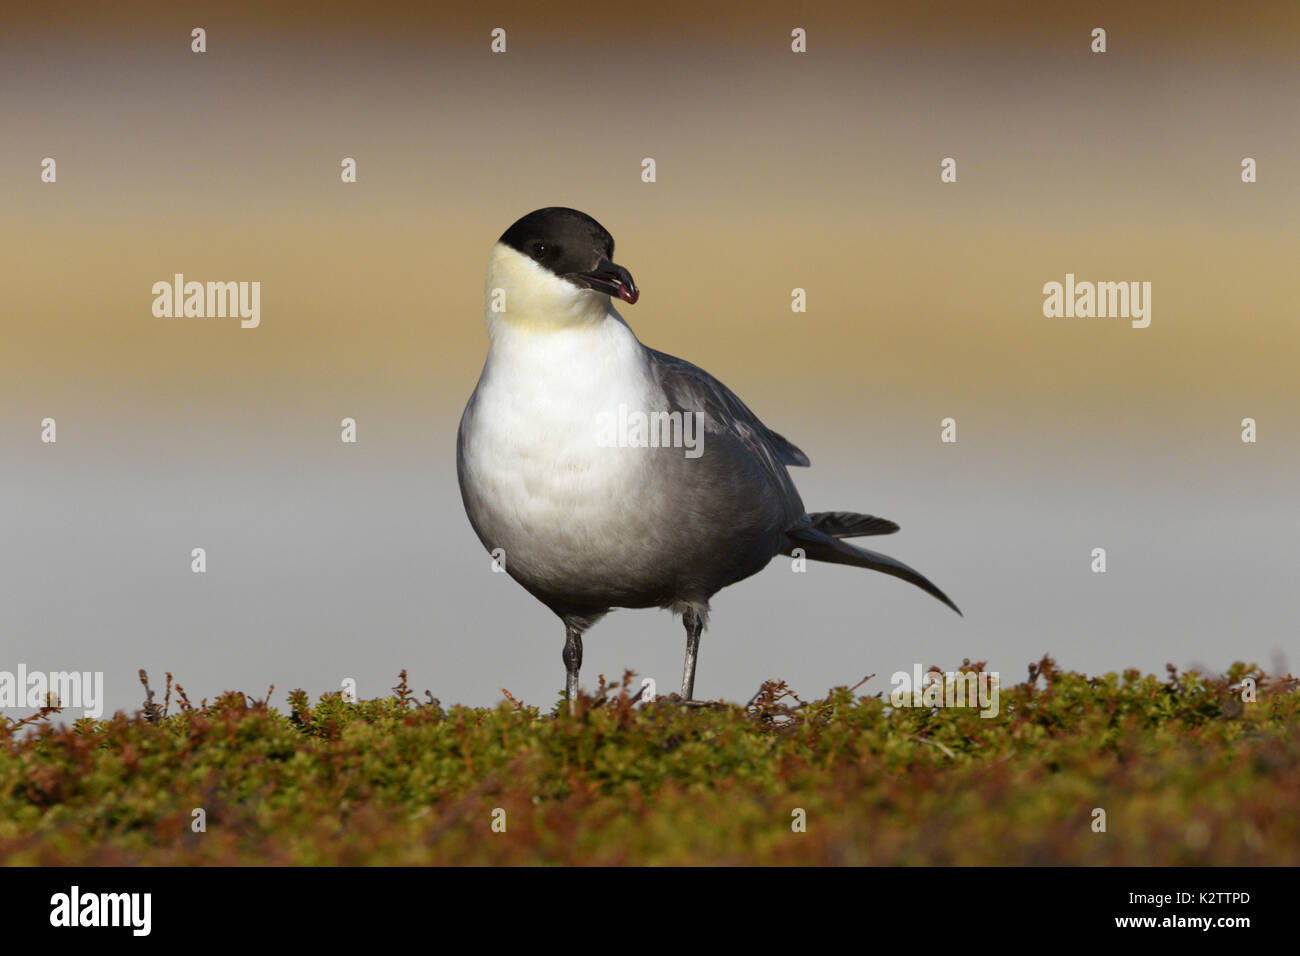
(539, 250)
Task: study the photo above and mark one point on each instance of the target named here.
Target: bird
(587, 520)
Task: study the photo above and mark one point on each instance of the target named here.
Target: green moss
(1186, 772)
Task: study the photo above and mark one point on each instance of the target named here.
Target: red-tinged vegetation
(1188, 770)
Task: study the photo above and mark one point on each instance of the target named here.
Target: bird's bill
(610, 278)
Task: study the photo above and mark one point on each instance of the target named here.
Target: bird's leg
(572, 663)
(694, 625)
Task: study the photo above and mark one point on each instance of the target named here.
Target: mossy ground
(1186, 772)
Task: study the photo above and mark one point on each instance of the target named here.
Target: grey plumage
(689, 387)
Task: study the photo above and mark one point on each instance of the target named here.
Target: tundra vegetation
(1187, 769)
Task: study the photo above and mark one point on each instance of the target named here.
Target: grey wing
(691, 389)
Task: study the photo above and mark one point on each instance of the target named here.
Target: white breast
(539, 477)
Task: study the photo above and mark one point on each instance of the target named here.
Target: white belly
(540, 478)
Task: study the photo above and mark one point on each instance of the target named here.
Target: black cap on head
(573, 246)
(563, 240)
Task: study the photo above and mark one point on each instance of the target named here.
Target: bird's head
(555, 268)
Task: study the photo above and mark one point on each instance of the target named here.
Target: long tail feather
(820, 546)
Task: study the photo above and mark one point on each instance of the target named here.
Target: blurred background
(774, 171)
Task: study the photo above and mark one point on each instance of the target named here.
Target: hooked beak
(610, 278)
